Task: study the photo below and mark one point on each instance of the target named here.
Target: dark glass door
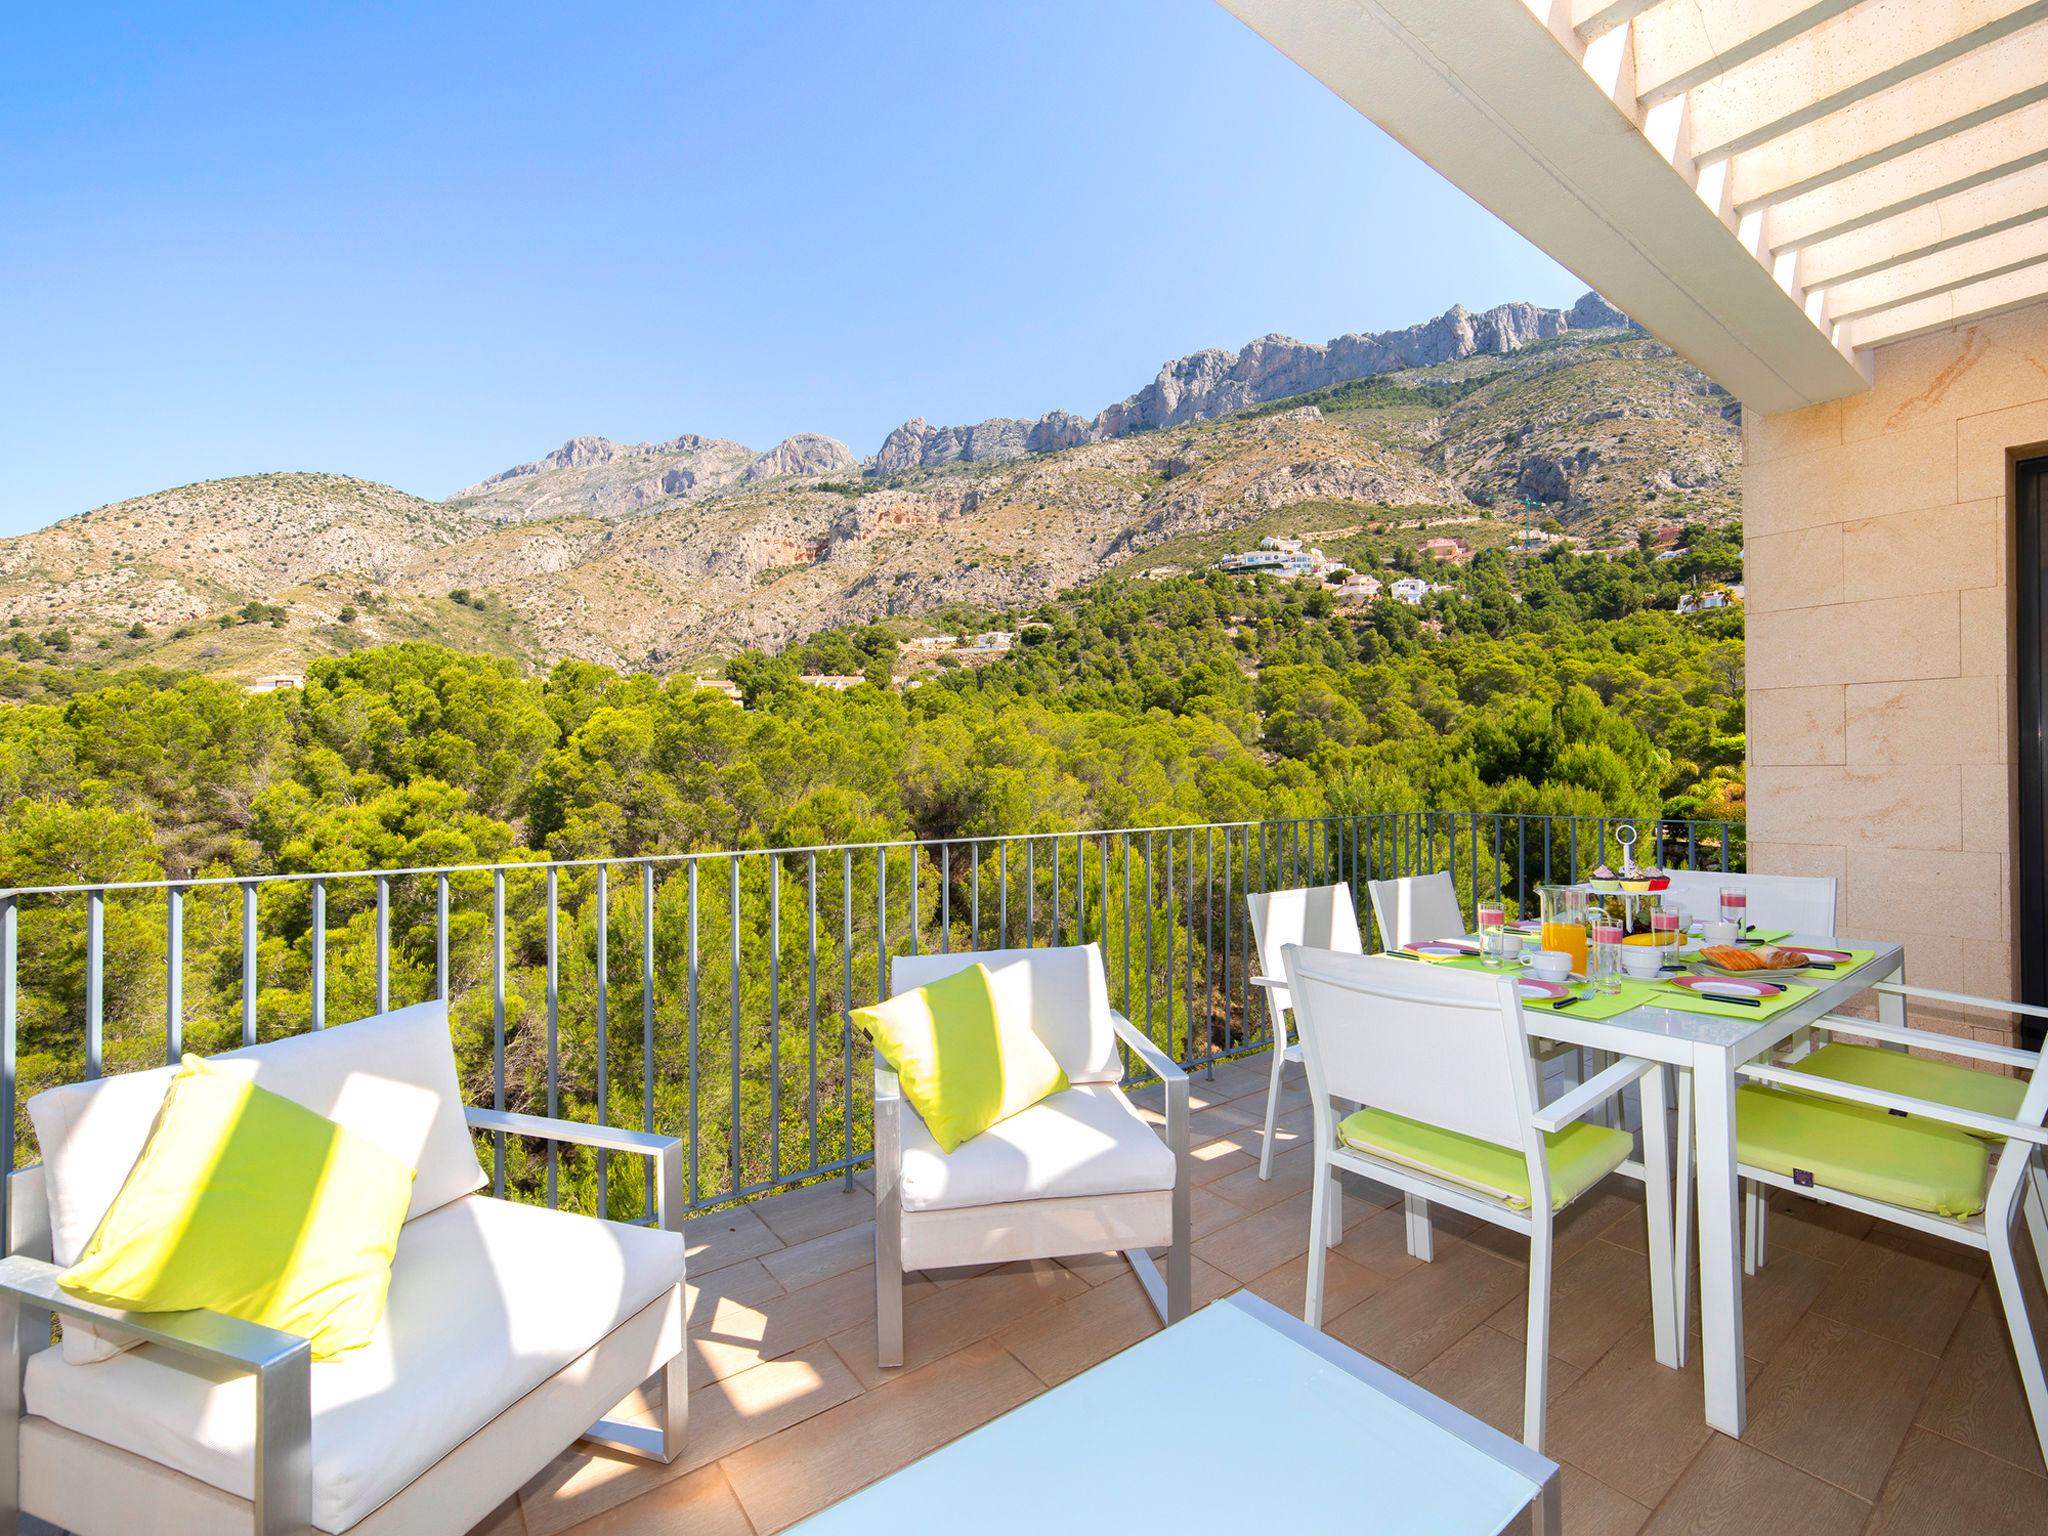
(2032, 737)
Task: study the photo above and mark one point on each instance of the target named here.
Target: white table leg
(1657, 1203)
(1720, 1241)
(1891, 1008)
(1681, 1213)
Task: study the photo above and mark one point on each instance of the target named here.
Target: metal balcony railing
(709, 994)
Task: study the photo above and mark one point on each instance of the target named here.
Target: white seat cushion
(390, 1079)
(488, 1300)
(1085, 1140)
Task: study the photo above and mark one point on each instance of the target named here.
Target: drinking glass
(1493, 918)
(1607, 934)
(1667, 929)
(1735, 908)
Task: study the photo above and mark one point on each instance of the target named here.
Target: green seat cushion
(1917, 1077)
(1579, 1156)
(1860, 1150)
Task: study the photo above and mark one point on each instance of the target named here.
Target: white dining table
(1707, 1049)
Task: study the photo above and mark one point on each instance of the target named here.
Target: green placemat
(1693, 1002)
(1858, 958)
(1589, 1004)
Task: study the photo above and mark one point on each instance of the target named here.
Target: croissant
(1730, 958)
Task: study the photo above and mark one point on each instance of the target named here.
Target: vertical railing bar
(647, 1032)
(1241, 1035)
(554, 986)
(248, 964)
(736, 1151)
(1209, 942)
(497, 1022)
(1003, 894)
(1030, 891)
(882, 924)
(693, 979)
(774, 1017)
(441, 937)
(846, 1025)
(10, 1020)
(317, 982)
(974, 897)
(601, 902)
(383, 943)
(1127, 925)
(1053, 937)
(915, 915)
(1167, 925)
(95, 980)
(811, 998)
(1151, 982)
(174, 973)
(1187, 917)
(1080, 890)
(946, 899)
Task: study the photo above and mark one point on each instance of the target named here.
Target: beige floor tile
(725, 1416)
(1977, 1397)
(802, 1214)
(1246, 1249)
(958, 1315)
(1837, 1402)
(1063, 1341)
(1345, 1284)
(1483, 1374)
(1379, 1241)
(746, 1283)
(1735, 1490)
(726, 1237)
(739, 1335)
(1591, 1508)
(1598, 1292)
(822, 1257)
(1214, 1160)
(1940, 1488)
(1209, 1210)
(1097, 1268)
(701, 1504)
(1292, 1171)
(1909, 1289)
(1776, 1297)
(1632, 1423)
(505, 1520)
(1826, 1232)
(1224, 1118)
(1411, 1320)
(781, 1479)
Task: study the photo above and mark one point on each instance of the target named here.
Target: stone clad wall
(1880, 623)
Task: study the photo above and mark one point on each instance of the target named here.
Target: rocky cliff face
(1213, 382)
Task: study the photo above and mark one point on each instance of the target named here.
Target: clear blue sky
(421, 243)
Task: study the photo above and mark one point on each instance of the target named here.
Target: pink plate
(1531, 987)
(1725, 986)
(1437, 948)
(1821, 954)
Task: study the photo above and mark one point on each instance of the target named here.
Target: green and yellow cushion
(1917, 1077)
(964, 1056)
(1579, 1156)
(1919, 1164)
(246, 1203)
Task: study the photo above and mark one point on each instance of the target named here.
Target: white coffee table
(1125, 1447)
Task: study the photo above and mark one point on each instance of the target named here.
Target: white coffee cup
(1719, 933)
(1551, 964)
(1645, 962)
(1510, 946)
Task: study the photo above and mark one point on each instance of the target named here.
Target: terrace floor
(1883, 1396)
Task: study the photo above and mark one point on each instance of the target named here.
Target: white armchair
(1079, 1172)
(509, 1332)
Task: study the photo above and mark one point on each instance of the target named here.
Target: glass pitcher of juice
(1565, 918)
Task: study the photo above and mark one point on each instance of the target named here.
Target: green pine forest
(1558, 684)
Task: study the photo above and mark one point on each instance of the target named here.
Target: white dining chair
(1803, 904)
(1320, 917)
(1905, 1139)
(1414, 907)
(1443, 1058)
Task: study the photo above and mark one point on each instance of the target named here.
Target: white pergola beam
(1680, 46)
(1492, 97)
(2007, 203)
(1972, 88)
(1589, 18)
(1865, 50)
(1974, 301)
(1907, 282)
(1977, 155)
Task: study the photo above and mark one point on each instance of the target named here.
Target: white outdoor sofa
(509, 1333)
(1080, 1172)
